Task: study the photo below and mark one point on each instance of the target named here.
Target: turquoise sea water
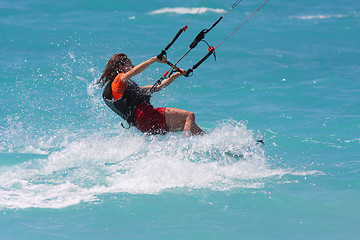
(290, 76)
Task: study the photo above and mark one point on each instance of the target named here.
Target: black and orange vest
(126, 105)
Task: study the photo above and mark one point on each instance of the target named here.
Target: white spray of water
(130, 162)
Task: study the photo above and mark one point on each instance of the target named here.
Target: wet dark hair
(116, 65)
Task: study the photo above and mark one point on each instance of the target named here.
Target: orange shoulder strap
(118, 87)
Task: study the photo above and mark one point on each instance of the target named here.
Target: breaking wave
(184, 10)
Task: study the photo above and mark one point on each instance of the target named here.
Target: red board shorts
(150, 120)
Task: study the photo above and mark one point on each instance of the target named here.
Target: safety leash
(163, 53)
(203, 32)
(195, 42)
(211, 49)
(198, 38)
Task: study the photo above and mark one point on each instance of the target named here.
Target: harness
(126, 105)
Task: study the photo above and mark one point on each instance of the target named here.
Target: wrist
(176, 75)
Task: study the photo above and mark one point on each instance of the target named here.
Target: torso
(132, 103)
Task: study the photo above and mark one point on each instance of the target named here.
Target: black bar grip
(198, 38)
(175, 38)
(215, 23)
(161, 55)
(204, 58)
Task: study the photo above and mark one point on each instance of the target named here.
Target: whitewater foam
(184, 10)
(320, 16)
(130, 162)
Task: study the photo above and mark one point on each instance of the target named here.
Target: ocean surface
(290, 76)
